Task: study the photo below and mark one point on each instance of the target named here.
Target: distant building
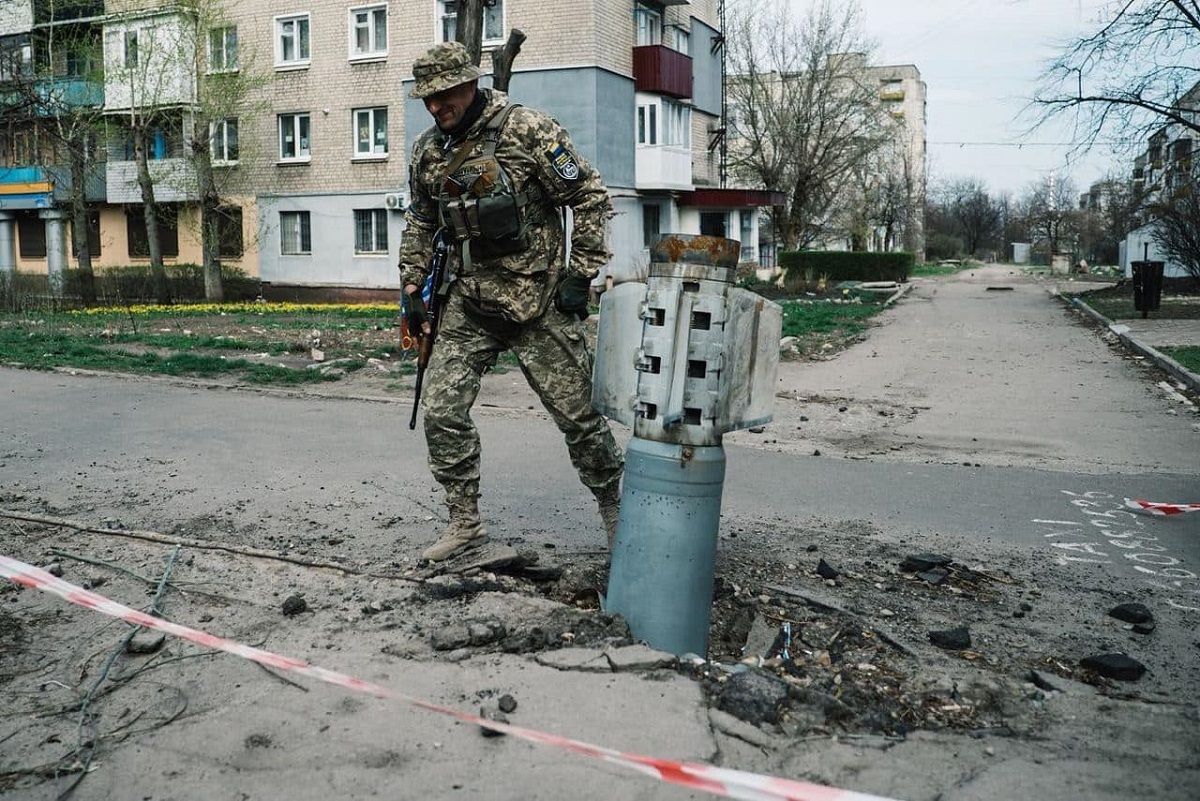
(1168, 167)
(314, 169)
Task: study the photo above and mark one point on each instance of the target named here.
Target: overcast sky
(980, 60)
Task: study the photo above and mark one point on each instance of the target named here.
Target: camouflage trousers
(557, 363)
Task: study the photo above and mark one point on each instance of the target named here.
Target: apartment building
(312, 161)
(1166, 168)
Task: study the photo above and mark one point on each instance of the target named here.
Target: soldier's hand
(416, 318)
(573, 296)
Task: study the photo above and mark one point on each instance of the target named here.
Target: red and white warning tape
(1162, 509)
(693, 775)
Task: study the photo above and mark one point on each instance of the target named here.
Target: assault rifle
(437, 273)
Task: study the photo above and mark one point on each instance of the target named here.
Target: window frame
(295, 116)
(298, 63)
(168, 230)
(652, 15)
(372, 155)
(379, 225)
(125, 50)
(223, 159)
(681, 40)
(440, 15)
(301, 216)
(225, 67)
(375, 54)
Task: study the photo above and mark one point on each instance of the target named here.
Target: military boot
(609, 500)
(464, 532)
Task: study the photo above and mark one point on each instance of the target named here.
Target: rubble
(507, 704)
(825, 571)
(590, 660)
(1114, 666)
(638, 657)
(1132, 613)
(924, 562)
(145, 641)
(955, 639)
(293, 605)
(754, 696)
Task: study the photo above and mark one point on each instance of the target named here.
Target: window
(223, 139)
(135, 231)
(651, 224)
(131, 49)
(368, 32)
(294, 137)
(493, 21)
(229, 232)
(370, 231)
(648, 124)
(291, 41)
(295, 233)
(714, 223)
(681, 40)
(677, 124)
(370, 133)
(16, 60)
(649, 26)
(31, 233)
(223, 49)
(669, 125)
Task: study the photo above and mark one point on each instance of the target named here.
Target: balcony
(25, 188)
(174, 181)
(663, 167)
(662, 71)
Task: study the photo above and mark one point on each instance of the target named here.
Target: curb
(904, 289)
(1165, 362)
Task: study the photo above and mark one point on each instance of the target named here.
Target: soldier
(497, 176)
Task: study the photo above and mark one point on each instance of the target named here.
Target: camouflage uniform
(506, 302)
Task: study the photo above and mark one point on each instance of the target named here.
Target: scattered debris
(145, 641)
(924, 562)
(293, 605)
(1132, 613)
(936, 577)
(507, 704)
(956, 639)
(1114, 666)
(638, 657)
(489, 713)
(825, 571)
(753, 696)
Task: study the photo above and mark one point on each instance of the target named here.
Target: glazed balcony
(662, 71)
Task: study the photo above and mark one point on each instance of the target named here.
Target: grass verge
(1188, 356)
(823, 326)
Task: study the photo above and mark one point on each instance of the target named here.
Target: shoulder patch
(563, 162)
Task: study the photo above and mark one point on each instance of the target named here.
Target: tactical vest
(478, 204)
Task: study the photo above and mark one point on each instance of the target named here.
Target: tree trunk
(79, 224)
(469, 27)
(157, 271)
(502, 60)
(210, 209)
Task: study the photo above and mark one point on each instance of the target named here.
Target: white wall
(1135, 248)
(16, 16)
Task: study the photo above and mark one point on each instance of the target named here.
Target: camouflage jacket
(537, 154)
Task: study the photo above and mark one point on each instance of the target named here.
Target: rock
(590, 660)
(55, 569)
(825, 571)
(494, 715)
(843, 408)
(811, 548)
(1115, 666)
(955, 639)
(761, 637)
(449, 638)
(145, 641)
(206, 618)
(936, 577)
(1026, 606)
(753, 696)
(923, 562)
(638, 657)
(293, 605)
(1131, 613)
(757, 430)
(728, 725)
(803, 419)
(788, 343)
(507, 704)
(486, 633)
(1144, 628)
(541, 573)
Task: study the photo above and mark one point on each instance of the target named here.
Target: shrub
(116, 286)
(943, 246)
(845, 266)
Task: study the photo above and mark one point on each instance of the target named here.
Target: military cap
(442, 67)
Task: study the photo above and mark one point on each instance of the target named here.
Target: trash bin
(1147, 285)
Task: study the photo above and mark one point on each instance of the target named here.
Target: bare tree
(1051, 211)
(974, 213)
(468, 29)
(806, 113)
(1177, 228)
(1126, 78)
